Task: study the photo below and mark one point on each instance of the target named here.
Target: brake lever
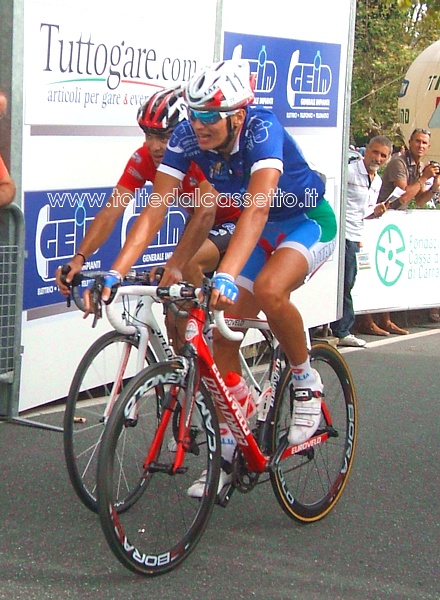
(95, 297)
(159, 272)
(64, 271)
(96, 318)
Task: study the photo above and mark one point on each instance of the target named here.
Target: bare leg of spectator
(366, 325)
(386, 323)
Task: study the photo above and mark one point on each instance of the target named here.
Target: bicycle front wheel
(308, 483)
(102, 374)
(138, 452)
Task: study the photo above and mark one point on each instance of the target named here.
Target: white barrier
(399, 263)
(86, 68)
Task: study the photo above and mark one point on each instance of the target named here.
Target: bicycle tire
(83, 416)
(308, 484)
(164, 525)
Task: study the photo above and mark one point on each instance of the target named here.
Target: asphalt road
(380, 542)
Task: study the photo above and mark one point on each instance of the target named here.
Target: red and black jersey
(140, 169)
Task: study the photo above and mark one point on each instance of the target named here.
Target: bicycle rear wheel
(164, 524)
(89, 396)
(309, 483)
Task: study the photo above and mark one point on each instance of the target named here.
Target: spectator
(421, 184)
(399, 150)
(363, 187)
(408, 172)
(7, 186)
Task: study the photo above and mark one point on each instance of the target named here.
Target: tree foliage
(389, 35)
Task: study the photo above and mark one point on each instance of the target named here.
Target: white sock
(304, 376)
(228, 442)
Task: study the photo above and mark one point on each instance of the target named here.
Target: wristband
(82, 256)
(224, 283)
(224, 276)
(112, 278)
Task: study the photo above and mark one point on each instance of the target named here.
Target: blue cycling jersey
(263, 143)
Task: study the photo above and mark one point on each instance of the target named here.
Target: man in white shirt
(363, 187)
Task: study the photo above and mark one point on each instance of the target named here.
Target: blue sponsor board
(296, 79)
(56, 222)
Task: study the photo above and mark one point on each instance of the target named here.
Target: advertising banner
(84, 67)
(87, 69)
(56, 222)
(297, 79)
(88, 66)
(399, 263)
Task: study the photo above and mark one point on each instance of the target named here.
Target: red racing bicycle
(163, 432)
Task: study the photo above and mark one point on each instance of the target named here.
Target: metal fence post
(12, 254)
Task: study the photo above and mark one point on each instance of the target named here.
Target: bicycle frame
(256, 461)
(146, 325)
(149, 330)
(285, 450)
(223, 399)
(146, 328)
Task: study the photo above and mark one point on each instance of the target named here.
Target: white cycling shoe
(306, 414)
(197, 489)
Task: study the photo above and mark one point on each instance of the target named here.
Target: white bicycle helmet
(222, 86)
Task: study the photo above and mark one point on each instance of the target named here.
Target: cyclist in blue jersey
(285, 232)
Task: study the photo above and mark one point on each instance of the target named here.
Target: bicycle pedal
(194, 448)
(224, 495)
(156, 467)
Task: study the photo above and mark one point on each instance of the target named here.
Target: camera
(434, 163)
